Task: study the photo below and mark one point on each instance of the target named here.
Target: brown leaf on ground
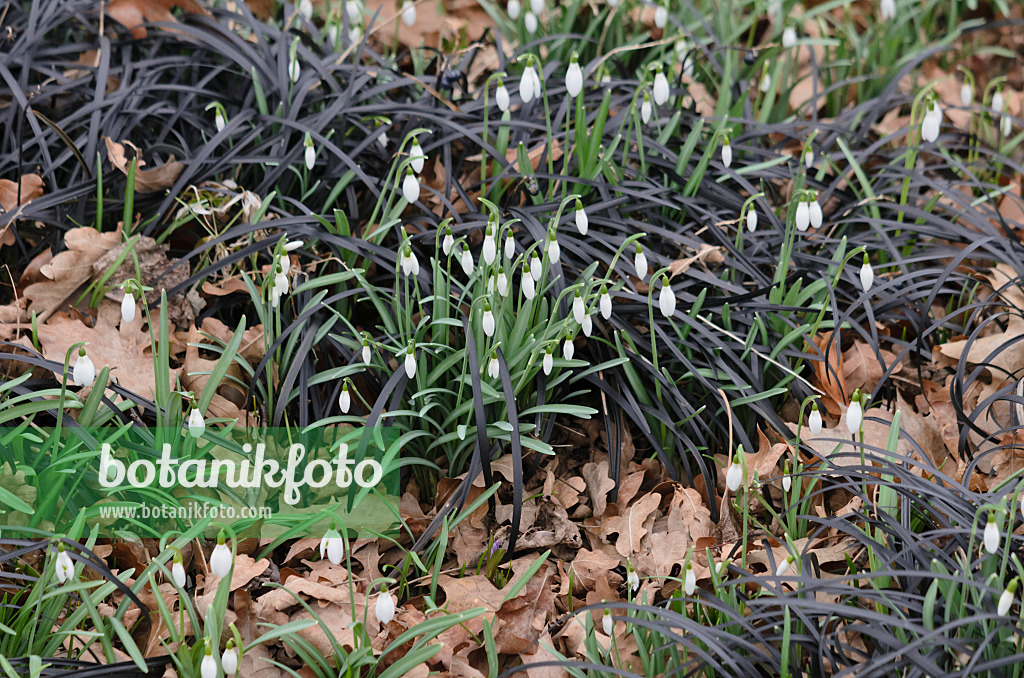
(156, 272)
(549, 528)
(332, 603)
(133, 13)
(228, 400)
(599, 484)
(30, 187)
(630, 526)
(146, 181)
(861, 368)
(829, 374)
(707, 254)
(69, 269)
(589, 566)
(433, 24)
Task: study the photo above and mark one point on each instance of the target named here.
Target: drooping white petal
(887, 10)
(587, 325)
(409, 13)
(854, 417)
(787, 483)
(660, 16)
(667, 300)
(991, 536)
(727, 155)
(751, 220)
(128, 307)
(814, 213)
(410, 364)
(788, 37)
(526, 91)
(998, 101)
(660, 89)
(606, 305)
(568, 349)
(632, 579)
(646, 110)
(208, 667)
(784, 566)
(582, 222)
(690, 581)
(537, 6)
(416, 157)
(536, 269)
(366, 354)
(528, 285)
(607, 623)
(178, 574)
(814, 422)
(803, 216)
(196, 424)
(502, 283)
(385, 607)
(488, 323)
(489, 250)
(501, 98)
(221, 560)
(577, 308)
(345, 400)
(574, 79)
(446, 243)
(310, 157)
(640, 264)
(514, 9)
(966, 95)
(229, 661)
(466, 260)
(548, 362)
(84, 372)
(867, 276)
(734, 476)
(410, 188)
(530, 21)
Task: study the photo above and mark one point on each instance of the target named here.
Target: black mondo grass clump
(372, 279)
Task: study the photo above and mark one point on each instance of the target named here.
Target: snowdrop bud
(667, 298)
(809, 157)
(178, 571)
(537, 6)
(1006, 125)
(196, 425)
(854, 414)
(218, 120)
(766, 83)
(416, 157)
(577, 307)
(787, 483)
(661, 90)
(294, 70)
(568, 348)
(788, 37)
(526, 83)
(726, 153)
(548, 362)
(587, 324)
(1006, 599)
(930, 127)
(734, 474)
(613, 3)
(937, 110)
(514, 8)
(306, 8)
(527, 283)
(887, 9)
(221, 559)
(64, 567)
(345, 399)
(493, 370)
(332, 546)
(605, 303)
(966, 94)
(447, 241)
(466, 259)
(409, 13)
(646, 109)
(488, 320)
(661, 16)
(366, 352)
(814, 421)
(530, 21)
(536, 269)
(490, 248)
(582, 222)
(501, 97)
(632, 578)
(208, 667)
(867, 274)
(128, 307)
(554, 251)
(640, 262)
(310, 152)
(502, 282)
(84, 372)
(410, 360)
(751, 219)
(229, 660)
(803, 215)
(998, 101)
(385, 607)
(510, 244)
(410, 187)
(991, 533)
(814, 213)
(574, 77)
(607, 623)
(690, 580)
(784, 566)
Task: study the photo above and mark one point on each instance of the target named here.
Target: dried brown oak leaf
(13, 195)
(69, 269)
(146, 181)
(132, 14)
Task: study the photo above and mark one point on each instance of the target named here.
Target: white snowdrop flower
(383, 139)
(930, 126)
(937, 110)
(646, 109)
(218, 120)
(690, 580)
(501, 97)
(537, 6)
(605, 303)
(536, 269)
(128, 307)
(632, 578)
(574, 77)
(493, 369)
(196, 424)
(787, 483)
(726, 153)
(766, 83)
(490, 284)
(582, 222)
(660, 89)
(410, 187)
(666, 298)
(607, 623)
(527, 89)
(553, 249)
(530, 21)
(661, 16)
(1006, 598)
(366, 353)
(854, 414)
(345, 399)
(208, 667)
(64, 567)
(722, 568)
(416, 156)
(966, 94)
(514, 8)
(588, 324)
(809, 157)
(527, 283)
(998, 101)
(294, 70)
(548, 362)
(84, 372)
(991, 538)
(814, 420)
(640, 262)
(502, 282)
(568, 348)
(734, 474)
(410, 360)
(385, 607)
(310, 153)
(751, 219)
(867, 274)
(332, 33)
(887, 9)
(510, 244)
(788, 37)
(447, 241)
(1006, 125)
(306, 8)
(178, 571)
(803, 215)
(221, 559)
(490, 248)
(410, 266)
(488, 321)
(613, 3)
(409, 13)
(814, 213)
(292, 245)
(577, 307)
(466, 259)
(332, 546)
(784, 566)
(229, 659)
